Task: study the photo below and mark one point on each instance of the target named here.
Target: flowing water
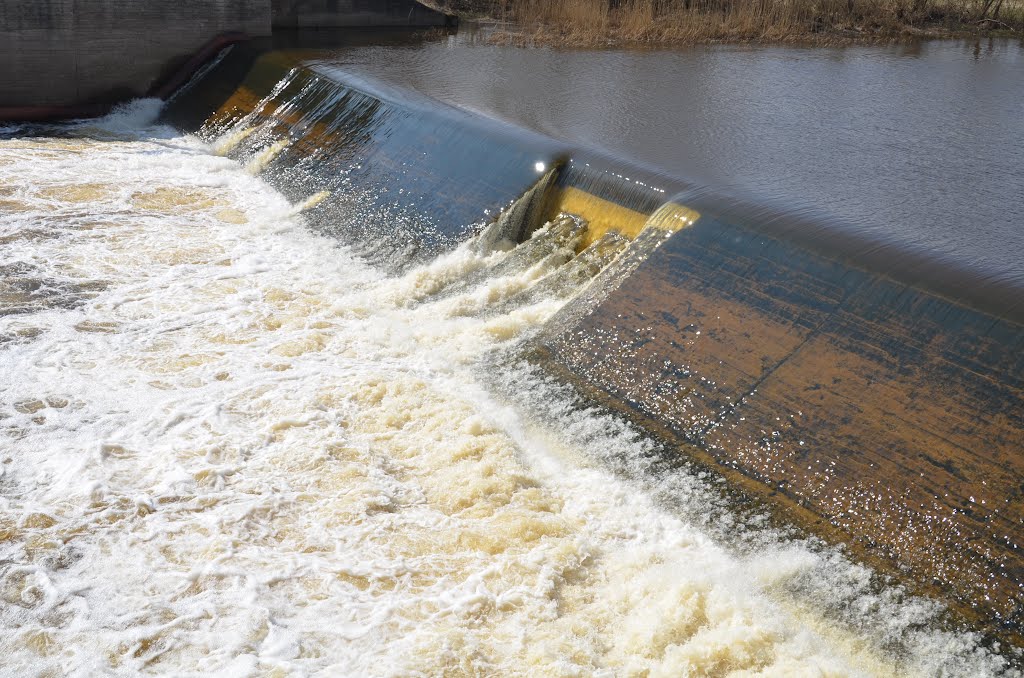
(918, 146)
(231, 446)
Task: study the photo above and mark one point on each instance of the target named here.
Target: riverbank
(679, 22)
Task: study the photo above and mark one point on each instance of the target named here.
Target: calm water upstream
(919, 146)
(230, 446)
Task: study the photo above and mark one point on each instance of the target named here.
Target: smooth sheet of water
(921, 146)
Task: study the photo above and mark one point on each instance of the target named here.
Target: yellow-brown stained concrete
(237, 86)
(603, 215)
(266, 71)
(881, 415)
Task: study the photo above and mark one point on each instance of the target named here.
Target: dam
(321, 367)
(65, 59)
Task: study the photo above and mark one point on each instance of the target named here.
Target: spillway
(351, 382)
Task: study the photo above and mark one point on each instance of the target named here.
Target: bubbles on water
(129, 118)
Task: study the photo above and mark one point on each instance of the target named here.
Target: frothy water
(229, 446)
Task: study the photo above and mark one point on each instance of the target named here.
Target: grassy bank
(594, 22)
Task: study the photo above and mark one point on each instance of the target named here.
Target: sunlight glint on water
(230, 447)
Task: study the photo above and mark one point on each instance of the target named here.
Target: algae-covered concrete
(78, 55)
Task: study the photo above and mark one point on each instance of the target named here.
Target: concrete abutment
(77, 58)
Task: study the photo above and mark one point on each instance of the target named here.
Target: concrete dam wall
(71, 57)
(869, 398)
(76, 58)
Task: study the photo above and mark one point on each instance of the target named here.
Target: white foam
(246, 452)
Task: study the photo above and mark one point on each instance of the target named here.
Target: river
(232, 446)
(918, 146)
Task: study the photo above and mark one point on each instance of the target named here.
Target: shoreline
(548, 36)
(636, 24)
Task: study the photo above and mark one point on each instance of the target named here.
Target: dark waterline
(914, 145)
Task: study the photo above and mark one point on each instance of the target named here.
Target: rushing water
(920, 146)
(230, 446)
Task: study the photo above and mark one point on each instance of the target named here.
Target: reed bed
(590, 22)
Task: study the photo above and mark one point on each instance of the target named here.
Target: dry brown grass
(586, 22)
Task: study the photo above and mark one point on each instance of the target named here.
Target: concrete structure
(873, 397)
(346, 13)
(80, 56)
(74, 58)
(869, 395)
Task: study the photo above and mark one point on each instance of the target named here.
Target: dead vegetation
(594, 22)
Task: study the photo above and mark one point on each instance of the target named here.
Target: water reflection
(917, 143)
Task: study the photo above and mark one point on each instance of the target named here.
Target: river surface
(230, 446)
(916, 146)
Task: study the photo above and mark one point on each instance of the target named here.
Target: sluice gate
(873, 398)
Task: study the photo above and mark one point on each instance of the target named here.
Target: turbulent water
(229, 446)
